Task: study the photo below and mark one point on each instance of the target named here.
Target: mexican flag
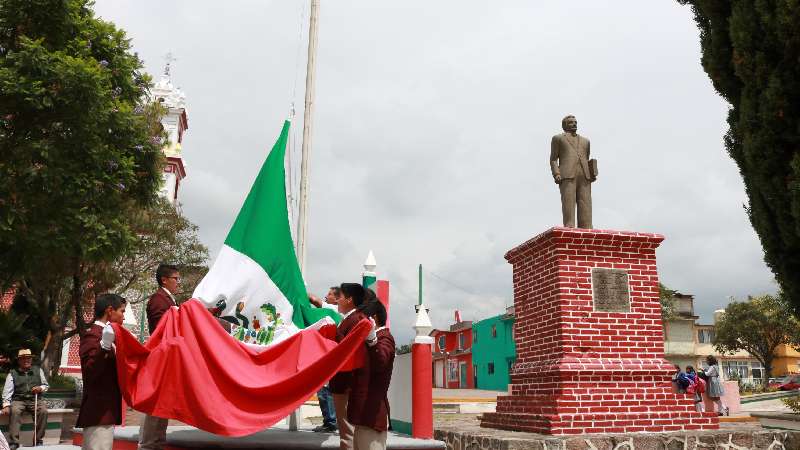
(255, 281)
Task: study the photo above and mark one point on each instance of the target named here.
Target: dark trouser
(576, 192)
(326, 406)
(18, 408)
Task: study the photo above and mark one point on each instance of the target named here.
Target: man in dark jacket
(368, 405)
(349, 303)
(153, 432)
(20, 392)
(101, 407)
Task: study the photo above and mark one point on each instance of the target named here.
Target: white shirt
(170, 295)
(344, 316)
(331, 306)
(8, 388)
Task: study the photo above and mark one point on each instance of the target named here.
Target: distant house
(452, 356)
(687, 342)
(493, 351)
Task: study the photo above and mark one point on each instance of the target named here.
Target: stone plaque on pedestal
(589, 339)
(610, 290)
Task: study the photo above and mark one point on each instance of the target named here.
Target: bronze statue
(574, 173)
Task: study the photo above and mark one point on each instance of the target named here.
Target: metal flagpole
(308, 115)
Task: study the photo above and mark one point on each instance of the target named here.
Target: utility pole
(308, 116)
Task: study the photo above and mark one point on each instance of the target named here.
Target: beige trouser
(576, 190)
(366, 438)
(153, 433)
(100, 437)
(20, 407)
(345, 427)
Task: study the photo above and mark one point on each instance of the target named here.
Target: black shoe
(325, 429)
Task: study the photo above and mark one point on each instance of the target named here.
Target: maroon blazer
(158, 304)
(340, 382)
(368, 404)
(102, 400)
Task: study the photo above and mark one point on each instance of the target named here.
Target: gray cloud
(433, 123)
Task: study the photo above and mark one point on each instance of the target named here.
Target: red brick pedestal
(582, 369)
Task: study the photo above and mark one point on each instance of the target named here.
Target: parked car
(791, 384)
(775, 383)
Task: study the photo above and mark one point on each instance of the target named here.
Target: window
(510, 365)
(735, 369)
(705, 336)
(462, 341)
(494, 331)
(491, 368)
(452, 373)
(474, 336)
(756, 370)
(441, 343)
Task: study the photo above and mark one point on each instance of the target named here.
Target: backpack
(700, 385)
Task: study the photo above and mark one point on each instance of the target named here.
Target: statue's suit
(569, 158)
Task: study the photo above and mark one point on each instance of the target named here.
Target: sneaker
(320, 429)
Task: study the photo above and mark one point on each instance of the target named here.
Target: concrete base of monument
(565, 424)
(277, 437)
(729, 437)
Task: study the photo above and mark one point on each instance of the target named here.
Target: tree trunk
(767, 372)
(51, 362)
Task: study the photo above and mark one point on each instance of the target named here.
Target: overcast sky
(432, 129)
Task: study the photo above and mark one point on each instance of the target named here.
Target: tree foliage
(757, 326)
(666, 298)
(78, 148)
(751, 52)
(165, 235)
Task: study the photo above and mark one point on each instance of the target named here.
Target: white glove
(372, 337)
(108, 337)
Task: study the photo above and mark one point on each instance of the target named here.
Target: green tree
(15, 335)
(78, 146)
(751, 52)
(757, 326)
(666, 298)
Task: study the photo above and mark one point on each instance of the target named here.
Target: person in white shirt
(24, 385)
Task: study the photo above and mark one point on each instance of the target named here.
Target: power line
(450, 282)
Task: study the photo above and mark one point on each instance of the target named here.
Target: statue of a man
(572, 171)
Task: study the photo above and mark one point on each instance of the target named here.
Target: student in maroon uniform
(153, 432)
(101, 407)
(349, 304)
(368, 405)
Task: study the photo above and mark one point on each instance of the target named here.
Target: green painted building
(493, 351)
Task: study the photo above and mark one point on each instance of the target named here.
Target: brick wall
(579, 370)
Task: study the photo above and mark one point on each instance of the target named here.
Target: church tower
(175, 124)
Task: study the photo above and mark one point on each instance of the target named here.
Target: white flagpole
(308, 115)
